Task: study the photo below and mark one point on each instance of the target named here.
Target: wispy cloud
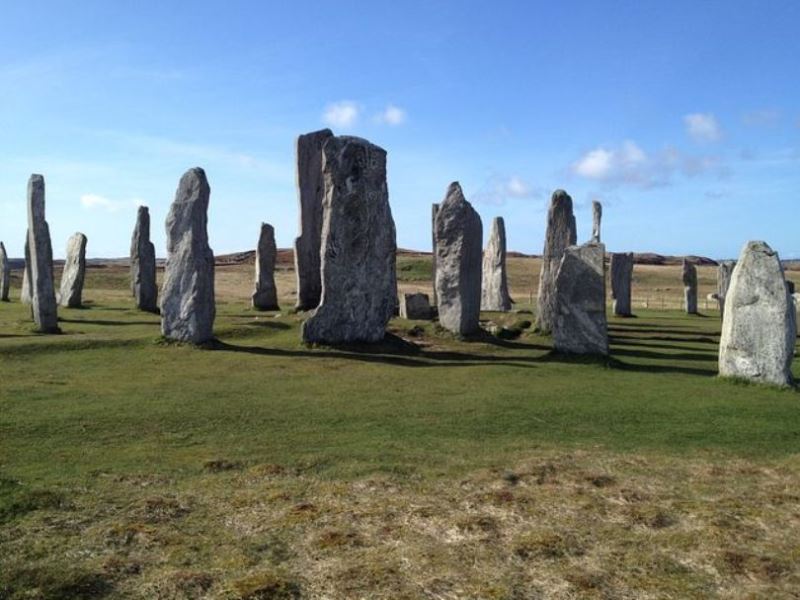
(344, 113)
(97, 202)
(765, 117)
(391, 115)
(499, 189)
(703, 127)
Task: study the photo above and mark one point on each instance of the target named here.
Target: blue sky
(683, 118)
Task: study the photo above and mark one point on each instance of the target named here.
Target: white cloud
(95, 201)
(391, 115)
(341, 114)
(498, 189)
(702, 127)
(595, 164)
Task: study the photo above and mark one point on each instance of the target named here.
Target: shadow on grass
(685, 338)
(625, 341)
(611, 362)
(106, 322)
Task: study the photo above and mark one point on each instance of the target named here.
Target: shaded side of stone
(265, 294)
(143, 264)
(5, 275)
(415, 306)
(74, 273)
(494, 294)
(689, 277)
(621, 280)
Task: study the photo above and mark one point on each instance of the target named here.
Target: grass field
(423, 467)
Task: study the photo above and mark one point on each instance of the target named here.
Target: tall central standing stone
(5, 275)
(689, 276)
(597, 216)
(265, 294)
(143, 264)
(359, 286)
(187, 295)
(621, 277)
(310, 193)
(459, 236)
(724, 273)
(39, 260)
(560, 234)
(74, 272)
(494, 294)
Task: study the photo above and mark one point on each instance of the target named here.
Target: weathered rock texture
(434, 210)
(494, 295)
(265, 294)
(724, 272)
(39, 260)
(25, 291)
(459, 235)
(580, 325)
(759, 328)
(359, 286)
(5, 275)
(689, 276)
(310, 193)
(621, 279)
(597, 216)
(143, 264)
(560, 234)
(187, 295)
(74, 272)
(415, 306)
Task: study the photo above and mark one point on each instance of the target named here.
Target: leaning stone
(187, 294)
(621, 278)
(560, 234)
(25, 291)
(359, 286)
(494, 294)
(265, 294)
(689, 276)
(5, 274)
(415, 306)
(434, 210)
(143, 264)
(39, 260)
(459, 234)
(724, 272)
(759, 327)
(597, 216)
(580, 325)
(74, 272)
(310, 193)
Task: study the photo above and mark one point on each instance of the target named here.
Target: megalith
(459, 236)
(359, 285)
(310, 193)
(759, 326)
(560, 233)
(25, 290)
(434, 210)
(143, 264)
(597, 216)
(74, 272)
(187, 294)
(265, 294)
(579, 325)
(689, 277)
(494, 294)
(415, 306)
(39, 260)
(5, 274)
(724, 272)
(621, 280)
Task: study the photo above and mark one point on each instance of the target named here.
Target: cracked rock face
(143, 264)
(265, 294)
(72, 278)
(39, 260)
(759, 327)
(689, 276)
(621, 278)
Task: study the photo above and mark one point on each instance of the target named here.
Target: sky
(682, 118)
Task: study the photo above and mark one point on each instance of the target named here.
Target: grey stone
(724, 272)
(494, 295)
(459, 236)
(560, 233)
(434, 210)
(143, 264)
(310, 192)
(759, 327)
(39, 260)
(359, 286)
(187, 295)
(790, 287)
(621, 279)
(74, 272)
(597, 216)
(415, 306)
(5, 274)
(25, 290)
(580, 325)
(689, 277)
(265, 294)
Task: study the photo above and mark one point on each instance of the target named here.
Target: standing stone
(415, 306)
(5, 275)
(434, 210)
(621, 278)
(39, 260)
(724, 272)
(459, 235)
(187, 295)
(597, 215)
(580, 325)
(689, 276)
(310, 193)
(265, 294)
(494, 295)
(143, 264)
(74, 272)
(759, 328)
(359, 286)
(560, 234)
(25, 291)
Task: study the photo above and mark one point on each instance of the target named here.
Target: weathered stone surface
(459, 236)
(265, 294)
(143, 264)
(597, 216)
(494, 294)
(621, 279)
(74, 272)
(724, 272)
(359, 287)
(580, 325)
(310, 193)
(434, 210)
(415, 306)
(5, 275)
(39, 260)
(560, 233)
(689, 277)
(759, 327)
(25, 291)
(187, 295)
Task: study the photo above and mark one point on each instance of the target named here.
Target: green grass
(414, 268)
